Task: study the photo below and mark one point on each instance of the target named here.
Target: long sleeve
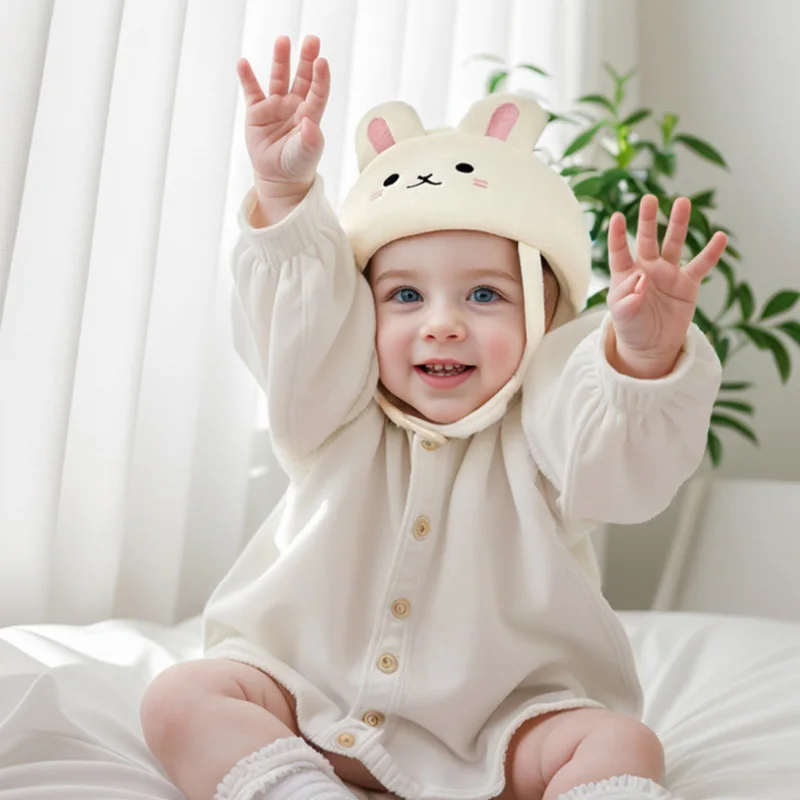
(304, 323)
(616, 449)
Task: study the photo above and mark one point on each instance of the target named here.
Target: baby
(452, 429)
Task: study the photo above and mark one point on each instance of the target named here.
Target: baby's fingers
(676, 230)
(708, 257)
(626, 300)
(317, 97)
(632, 284)
(619, 255)
(302, 152)
(281, 68)
(309, 52)
(250, 85)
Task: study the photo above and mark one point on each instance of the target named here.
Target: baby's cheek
(391, 344)
(505, 346)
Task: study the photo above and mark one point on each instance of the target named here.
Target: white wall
(730, 69)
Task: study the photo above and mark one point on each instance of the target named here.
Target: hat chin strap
(530, 261)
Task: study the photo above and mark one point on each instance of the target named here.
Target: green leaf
(597, 299)
(765, 340)
(693, 243)
(791, 328)
(583, 139)
(781, 358)
(731, 249)
(699, 221)
(636, 117)
(704, 199)
(758, 336)
(569, 172)
(589, 187)
(533, 68)
(667, 126)
(730, 278)
(735, 405)
(780, 302)
(722, 346)
(664, 162)
(495, 81)
(599, 100)
(644, 144)
(735, 386)
(485, 57)
(744, 294)
(714, 447)
(703, 322)
(552, 117)
(654, 187)
(665, 206)
(722, 421)
(702, 148)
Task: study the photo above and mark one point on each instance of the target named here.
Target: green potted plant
(631, 165)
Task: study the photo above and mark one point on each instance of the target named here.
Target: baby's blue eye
(484, 295)
(407, 295)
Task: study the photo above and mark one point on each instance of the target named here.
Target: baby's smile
(444, 374)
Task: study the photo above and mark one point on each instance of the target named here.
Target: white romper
(436, 585)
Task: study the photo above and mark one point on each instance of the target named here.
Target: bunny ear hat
(481, 176)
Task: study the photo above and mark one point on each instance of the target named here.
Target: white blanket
(722, 692)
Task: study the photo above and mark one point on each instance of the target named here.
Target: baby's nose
(444, 325)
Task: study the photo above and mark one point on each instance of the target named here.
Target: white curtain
(133, 465)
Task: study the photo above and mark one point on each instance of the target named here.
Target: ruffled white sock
(625, 787)
(287, 769)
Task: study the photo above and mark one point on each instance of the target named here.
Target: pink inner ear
(379, 135)
(503, 121)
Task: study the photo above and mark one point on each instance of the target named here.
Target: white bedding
(722, 692)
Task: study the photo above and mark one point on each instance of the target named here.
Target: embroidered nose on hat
(425, 179)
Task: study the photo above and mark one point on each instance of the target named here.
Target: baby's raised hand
(282, 130)
(652, 299)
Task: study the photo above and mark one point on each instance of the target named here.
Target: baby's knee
(181, 698)
(645, 753)
(171, 702)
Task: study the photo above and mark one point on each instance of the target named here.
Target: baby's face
(451, 320)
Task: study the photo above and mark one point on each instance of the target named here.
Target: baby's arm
(304, 323)
(625, 422)
(616, 448)
(303, 314)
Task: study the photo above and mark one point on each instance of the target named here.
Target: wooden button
(387, 663)
(373, 718)
(427, 444)
(422, 527)
(345, 740)
(401, 608)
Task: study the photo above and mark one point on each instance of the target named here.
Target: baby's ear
(511, 117)
(384, 126)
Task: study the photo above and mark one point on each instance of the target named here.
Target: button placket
(414, 550)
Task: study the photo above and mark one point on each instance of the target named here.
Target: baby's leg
(215, 720)
(552, 755)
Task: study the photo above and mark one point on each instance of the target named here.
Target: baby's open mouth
(444, 370)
